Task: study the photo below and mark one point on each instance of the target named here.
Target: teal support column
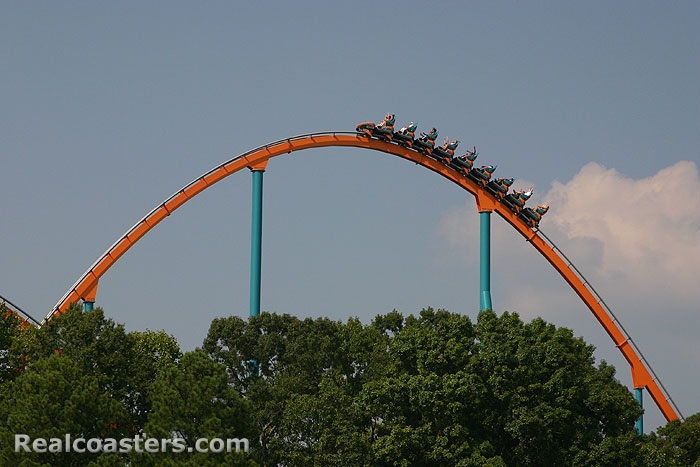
(256, 243)
(485, 259)
(256, 253)
(639, 425)
(88, 306)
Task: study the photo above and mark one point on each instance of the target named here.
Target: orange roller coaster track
(11, 309)
(86, 286)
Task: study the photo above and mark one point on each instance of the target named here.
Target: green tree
(51, 398)
(125, 364)
(75, 354)
(9, 330)
(302, 387)
(546, 403)
(425, 390)
(191, 400)
(428, 390)
(152, 353)
(680, 440)
(422, 409)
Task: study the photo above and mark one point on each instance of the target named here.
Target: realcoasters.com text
(24, 443)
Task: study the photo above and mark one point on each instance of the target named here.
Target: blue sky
(109, 108)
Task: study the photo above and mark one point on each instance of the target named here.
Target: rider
(469, 155)
(537, 214)
(389, 120)
(521, 196)
(432, 135)
(449, 146)
(405, 129)
(468, 158)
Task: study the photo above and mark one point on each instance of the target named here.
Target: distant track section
(85, 287)
(26, 317)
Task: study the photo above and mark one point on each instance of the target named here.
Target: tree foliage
(9, 330)
(679, 442)
(424, 390)
(432, 389)
(191, 400)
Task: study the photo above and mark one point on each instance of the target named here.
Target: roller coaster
(464, 164)
(491, 196)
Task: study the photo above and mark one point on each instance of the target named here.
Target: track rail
(85, 287)
(23, 315)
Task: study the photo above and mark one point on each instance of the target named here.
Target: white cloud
(649, 229)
